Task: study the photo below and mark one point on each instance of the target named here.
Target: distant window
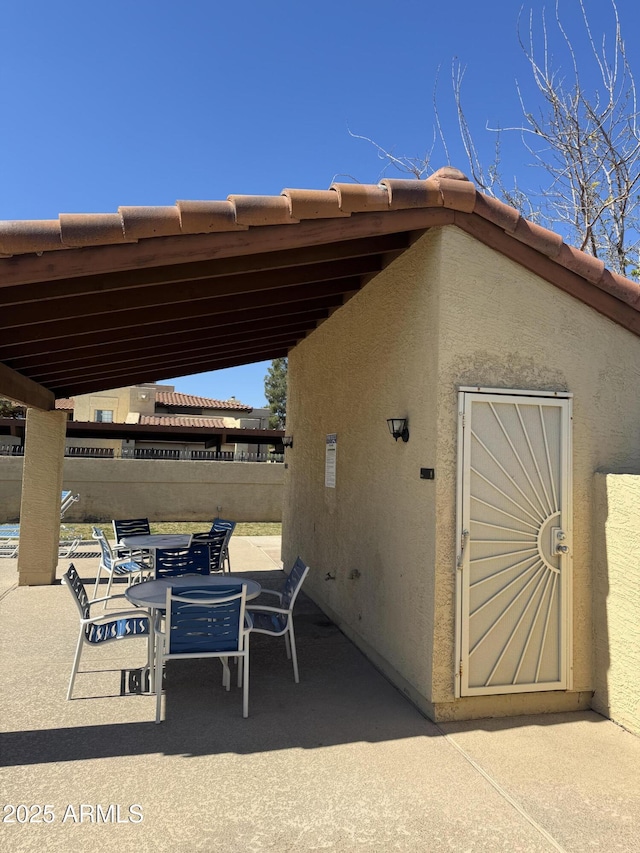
(104, 416)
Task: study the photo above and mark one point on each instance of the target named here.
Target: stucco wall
(616, 599)
(162, 490)
(503, 327)
(370, 541)
(449, 312)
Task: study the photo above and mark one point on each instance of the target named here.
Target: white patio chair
(114, 565)
(201, 623)
(110, 627)
(278, 621)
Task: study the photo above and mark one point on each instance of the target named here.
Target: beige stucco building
(385, 545)
(484, 564)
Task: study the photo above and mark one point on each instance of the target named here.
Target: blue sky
(142, 102)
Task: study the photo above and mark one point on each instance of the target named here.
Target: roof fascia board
(160, 251)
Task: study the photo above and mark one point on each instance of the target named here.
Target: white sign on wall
(330, 461)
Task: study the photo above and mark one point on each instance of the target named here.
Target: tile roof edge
(447, 188)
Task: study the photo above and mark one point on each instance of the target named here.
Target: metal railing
(184, 454)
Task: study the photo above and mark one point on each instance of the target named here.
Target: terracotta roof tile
(448, 188)
(622, 288)
(404, 194)
(19, 238)
(541, 239)
(174, 398)
(579, 262)
(91, 229)
(498, 212)
(139, 222)
(457, 194)
(314, 204)
(65, 403)
(181, 420)
(205, 217)
(361, 198)
(261, 209)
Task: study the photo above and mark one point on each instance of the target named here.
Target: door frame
(464, 392)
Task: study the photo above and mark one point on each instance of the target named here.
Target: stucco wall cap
(498, 212)
(91, 229)
(457, 194)
(360, 198)
(141, 222)
(405, 193)
(204, 217)
(313, 204)
(19, 237)
(261, 209)
(580, 263)
(542, 239)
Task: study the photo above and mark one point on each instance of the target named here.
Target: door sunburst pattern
(514, 495)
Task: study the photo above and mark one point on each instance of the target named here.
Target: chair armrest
(278, 595)
(265, 609)
(117, 614)
(106, 598)
(248, 622)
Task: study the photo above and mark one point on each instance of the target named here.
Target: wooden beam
(22, 390)
(201, 270)
(178, 352)
(88, 387)
(185, 331)
(165, 315)
(168, 295)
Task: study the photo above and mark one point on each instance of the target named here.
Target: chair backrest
(71, 578)
(293, 583)
(130, 527)
(170, 562)
(105, 548)
(223, 524)
(216, 541)
(202, 620)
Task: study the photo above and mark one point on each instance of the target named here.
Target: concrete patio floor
(340, 762)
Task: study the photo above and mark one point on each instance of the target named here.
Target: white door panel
(515, 542)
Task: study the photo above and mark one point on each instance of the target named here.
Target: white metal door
(514, 543)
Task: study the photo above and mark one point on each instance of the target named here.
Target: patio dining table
(153, 595)
(148, 541)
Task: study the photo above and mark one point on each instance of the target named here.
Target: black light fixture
(287, 441)
(398, 428)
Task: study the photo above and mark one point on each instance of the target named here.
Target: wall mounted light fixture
(287, 440)
(398, 428)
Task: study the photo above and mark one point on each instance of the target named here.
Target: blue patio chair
(108, 628)
(201, 623)
(114, 565)
(170, 562)
(133, 527)
(230, 526)
(278, 621)
(215, 541)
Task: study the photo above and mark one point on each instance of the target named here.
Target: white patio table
(153, 595)
(146, 542)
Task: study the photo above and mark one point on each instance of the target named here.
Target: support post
(40, 502)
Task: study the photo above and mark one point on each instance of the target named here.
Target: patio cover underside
(83, 320)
